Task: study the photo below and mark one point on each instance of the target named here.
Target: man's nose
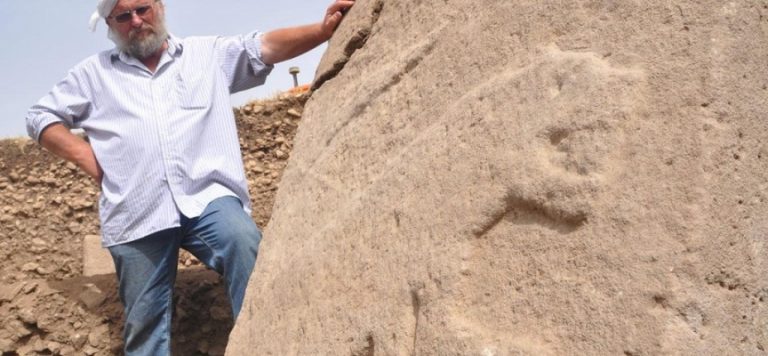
(136, 20)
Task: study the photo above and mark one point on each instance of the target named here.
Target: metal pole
(294, 72)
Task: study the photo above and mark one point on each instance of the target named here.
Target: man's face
(138, 27)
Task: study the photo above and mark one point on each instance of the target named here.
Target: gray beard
(141, 48)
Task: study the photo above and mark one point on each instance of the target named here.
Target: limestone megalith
(524, 178)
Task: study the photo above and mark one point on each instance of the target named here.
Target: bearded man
(163, 147)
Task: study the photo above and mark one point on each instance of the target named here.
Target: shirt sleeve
(65, 103)
(240, 59)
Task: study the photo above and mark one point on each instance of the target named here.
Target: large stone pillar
(525, 177)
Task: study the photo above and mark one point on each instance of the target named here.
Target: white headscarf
(103, 8)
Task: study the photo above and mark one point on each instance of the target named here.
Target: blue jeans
(224, 237)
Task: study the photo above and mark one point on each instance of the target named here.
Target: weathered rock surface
(525, 177)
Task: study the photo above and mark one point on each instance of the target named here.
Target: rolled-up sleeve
(240, 59)
(65, 103)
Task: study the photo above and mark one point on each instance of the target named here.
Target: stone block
(96, 259)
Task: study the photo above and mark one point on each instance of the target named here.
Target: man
(163, 146)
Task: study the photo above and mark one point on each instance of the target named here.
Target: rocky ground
(47, 206)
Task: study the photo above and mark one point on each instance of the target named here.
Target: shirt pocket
(195, 91)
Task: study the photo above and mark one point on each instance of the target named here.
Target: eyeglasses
(128, 15)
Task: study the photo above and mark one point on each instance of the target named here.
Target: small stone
(30, 287)
(80, 204)
(39, 246)
(9, 292)
(54, 347)
(27, 347)
(90, 350)
(78, 340)
(73, 227)
(49, 181)
(6, 347)
(294, 113)
(40, 346)
(96, 259)
(92, 296)
(27, 316)
(30, 266)
(67, 351)
(98, 335)
(47, 323)
(17, 330)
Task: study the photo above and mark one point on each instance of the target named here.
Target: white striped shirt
(166, 141)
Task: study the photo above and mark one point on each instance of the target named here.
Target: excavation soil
(47, 206)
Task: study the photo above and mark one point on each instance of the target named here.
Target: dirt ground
(47, 206)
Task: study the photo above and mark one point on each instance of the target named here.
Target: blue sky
(43, 39)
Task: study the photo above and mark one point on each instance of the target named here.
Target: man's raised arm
(283, 44)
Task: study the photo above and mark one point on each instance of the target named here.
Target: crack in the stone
(353, 45)
(416, 290)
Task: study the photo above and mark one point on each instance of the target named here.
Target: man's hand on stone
(333, 16)
(286, 43)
